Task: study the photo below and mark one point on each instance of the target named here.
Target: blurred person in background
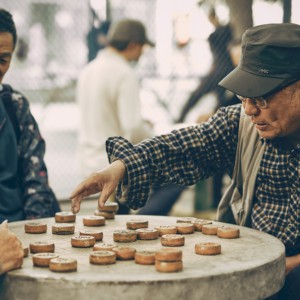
(24, 188)
(108, 97)
(219, 43)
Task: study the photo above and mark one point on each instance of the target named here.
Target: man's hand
(104, 181)
(11, 250)
(292, 262)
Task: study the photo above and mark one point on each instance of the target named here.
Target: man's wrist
(121, 168)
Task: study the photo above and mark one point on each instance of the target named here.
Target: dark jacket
(24, 188)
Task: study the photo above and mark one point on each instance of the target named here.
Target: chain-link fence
(55, 39)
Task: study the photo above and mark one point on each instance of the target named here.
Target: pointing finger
(76, 204)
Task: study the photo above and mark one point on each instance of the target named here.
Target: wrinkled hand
(11, 250)
(104, 181)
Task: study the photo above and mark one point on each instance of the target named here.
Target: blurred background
(56, 39)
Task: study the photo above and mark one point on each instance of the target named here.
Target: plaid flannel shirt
(188, 155)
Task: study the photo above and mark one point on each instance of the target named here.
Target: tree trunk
(287, 11)
(240, 16)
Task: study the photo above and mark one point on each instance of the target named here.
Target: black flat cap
(270, 60)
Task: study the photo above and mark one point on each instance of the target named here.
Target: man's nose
(250, 108)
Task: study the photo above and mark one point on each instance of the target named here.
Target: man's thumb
(4, 224)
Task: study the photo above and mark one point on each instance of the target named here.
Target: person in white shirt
(108, 96)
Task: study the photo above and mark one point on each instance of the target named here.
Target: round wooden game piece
(82, 241)
(93, 221)
(109, 215)
(198, 223)
(110, 207)
(145, 257)
(60, 264)
(43, 259)
(103, 257)
(167, 254)
(210, 229)
(168, 267)
(125, 236)
(186, 220)
(185, 228)
(124, 252)
(172, 240)
(147, 234)
(63, 228)
(26, 251)
(65, 217)
(228, 232)
(40, 247)
(166, 229)
(35, 227)
(98, 235)
(136, 224)
(104, 247)
(207, 248)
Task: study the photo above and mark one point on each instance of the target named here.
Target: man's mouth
(259, 124)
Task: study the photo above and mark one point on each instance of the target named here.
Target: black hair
(7, 24)
(119, 45)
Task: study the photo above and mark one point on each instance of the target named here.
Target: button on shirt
(190, 154)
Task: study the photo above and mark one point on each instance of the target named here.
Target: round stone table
(250, 267)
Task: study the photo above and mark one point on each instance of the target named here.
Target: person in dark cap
(108, 95)
(257, 142)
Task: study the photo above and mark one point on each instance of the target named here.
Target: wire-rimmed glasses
(260, 102)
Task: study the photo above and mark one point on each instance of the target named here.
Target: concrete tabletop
(249, 267)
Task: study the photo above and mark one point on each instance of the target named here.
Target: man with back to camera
(256, 142)
(108, 95)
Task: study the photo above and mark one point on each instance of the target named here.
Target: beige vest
(236, 203)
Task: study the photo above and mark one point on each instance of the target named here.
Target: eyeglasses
(260, 102)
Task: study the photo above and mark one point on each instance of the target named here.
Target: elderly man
(256, 142)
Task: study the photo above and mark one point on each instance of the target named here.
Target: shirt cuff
(133, 191)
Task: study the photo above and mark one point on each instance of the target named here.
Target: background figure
(24, 188)
(222, 64)
(108, 97)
